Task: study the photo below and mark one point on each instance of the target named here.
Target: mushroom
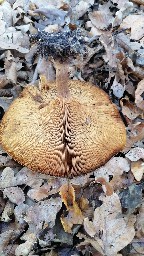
(69, 129)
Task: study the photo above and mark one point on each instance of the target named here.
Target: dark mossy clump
(60, 44)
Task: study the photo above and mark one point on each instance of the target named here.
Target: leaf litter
(100, 213)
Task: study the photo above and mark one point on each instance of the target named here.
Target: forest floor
(106, 212)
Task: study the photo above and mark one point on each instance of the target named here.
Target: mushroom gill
(62, 136)
(69, 129)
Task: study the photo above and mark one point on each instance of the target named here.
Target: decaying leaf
(75, 215)
(33, 219)
(135, 154)
(118, 89)
(7, 178)
(135, 134)
(15, 194)
(135, 22)
(101, 19)
(24, 248)
(140, 222)
(130, 110)
(43, 212)
(106, 186)
(109, 228)
(115, 167)
(139, 95)
(7, 212)
(131, 197)
(137, 169)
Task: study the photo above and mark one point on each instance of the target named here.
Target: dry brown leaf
(14, 194)
(20, 212)
(10, 68)
(91, 241)
(7, 212)
(81, 8)
(25, 176)
(139, 98)
(25, 248)
(120, 3)
(135, 134)
(115, 166)
(39, 193)
(138, 1)
(6, 10)
(7, 178)
(135, 154)
(118, 89)
(135, 22)
(137, 169)
(109, 228)
(43, 212)
(75, 215)
(101, 19)
(129, 109)
(140, 222)
(108, 43)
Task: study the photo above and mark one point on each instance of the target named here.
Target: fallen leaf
(107, 188)
(14, 194)
(39, 193)
(135, 133)
(24, 248)
(43, 212)
(137, 168)
(20, 212)
(7, 178)
(81, 8)
(10, 68)
(135, 22)
(138, 1)
(129, 110)
(131, 197)
(7, 212)
(75, 215)
(118, 89)
(139, 95)
(101, 19)
(108, 228)
(135, 154)
(140, 222)
(120, 3)
(115, 166)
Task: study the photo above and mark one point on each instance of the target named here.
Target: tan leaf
(15, 194)
(129, 109)
(106, 186)
(39, 193)
(135, 154)
(44, 212)
(100, 19)
(137, 169)
(7, 178)
(138, 95)
(115, 166)
(135, 22)
(111, 229)
(7, 212)
(24, 248)
(75, 215)
(140, 222)
(135, 134)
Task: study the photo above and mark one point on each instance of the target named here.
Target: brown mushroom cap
(63, 137)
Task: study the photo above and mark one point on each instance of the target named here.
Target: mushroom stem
(62, 79)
